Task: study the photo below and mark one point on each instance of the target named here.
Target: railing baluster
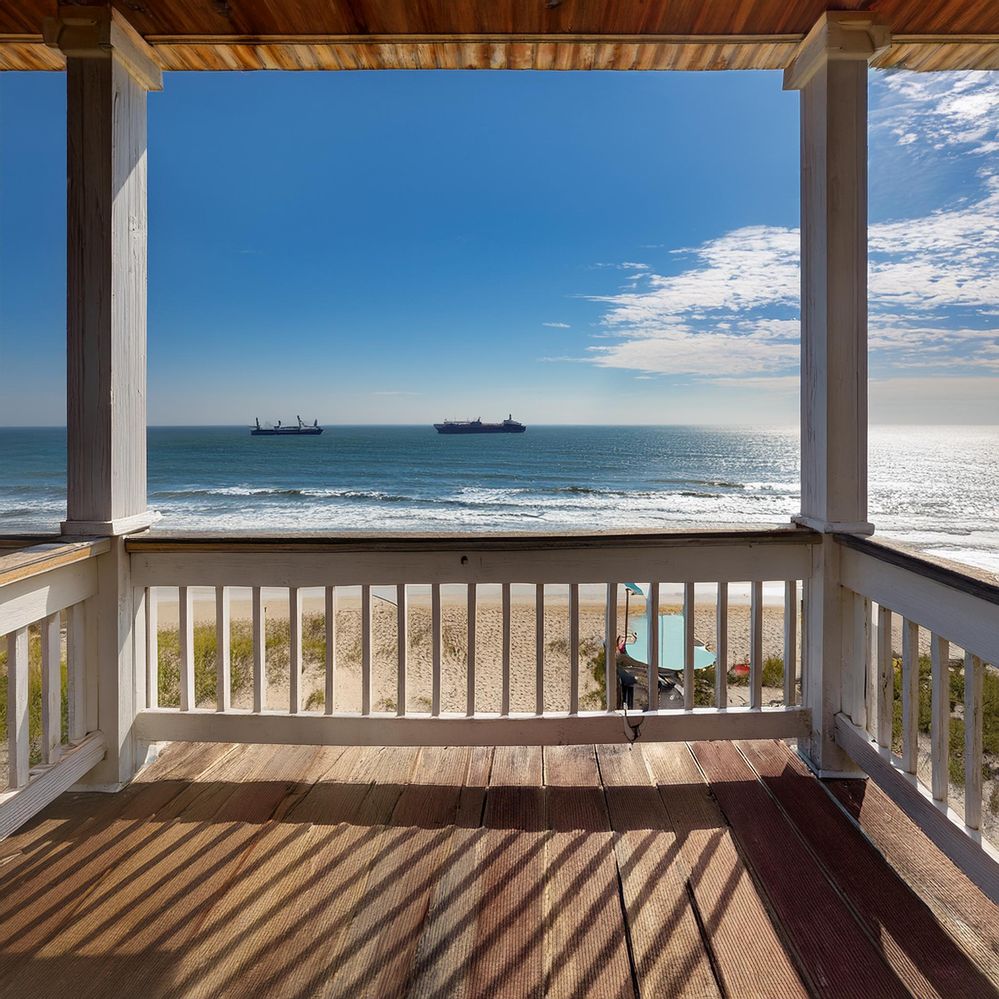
(539, 649)
(805, 603)
(185, 622)
(855, 688)
(573, 648)
(365, 650)
(294, 650)
(940, 716)
(505, 692)
(51, 636)
(152, 649)
(688, 646)
(790, 640)
(652, 615)
(610, 654)
(259, 626)
(910, 696)
(435, 646)
(18, 739)
(756, 645)
(721, 647)
(329, 694)
(402, 628)
(886, 678)
(76, 658)
(470, 673)
(223, 659)
(974, 680)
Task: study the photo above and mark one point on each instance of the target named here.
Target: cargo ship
(277, 430)
(508, 426)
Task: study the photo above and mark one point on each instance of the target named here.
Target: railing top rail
(966, 579)
(249, 542)
(23, 563)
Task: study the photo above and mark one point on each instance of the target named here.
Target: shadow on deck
(660, 870)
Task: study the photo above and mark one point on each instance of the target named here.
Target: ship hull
(289, 432)
(482, 428)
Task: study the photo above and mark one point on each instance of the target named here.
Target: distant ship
(278, 430)
(508, 426)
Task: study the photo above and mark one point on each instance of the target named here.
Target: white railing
(937, 610)
(419, 706)
(43, 594)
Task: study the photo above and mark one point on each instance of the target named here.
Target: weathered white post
(109, 69)
(830, 71)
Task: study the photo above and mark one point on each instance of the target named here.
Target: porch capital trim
(99, 33)
(837, 36)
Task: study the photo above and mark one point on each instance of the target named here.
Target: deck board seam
(827, 875)
(628, 942)
(958, 940)
(761, 889)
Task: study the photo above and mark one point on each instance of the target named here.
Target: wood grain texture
(582, 34)
(892, 914)
(469, 872)
(669, 955)
(727, 898)
(819, 925)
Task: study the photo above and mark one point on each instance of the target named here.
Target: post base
(832, 526)
(110, 528)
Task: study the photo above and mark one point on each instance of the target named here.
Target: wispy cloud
(732, 312)
(558, 326)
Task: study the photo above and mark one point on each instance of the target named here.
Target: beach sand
(488, 649)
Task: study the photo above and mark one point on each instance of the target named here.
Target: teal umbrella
(670, 646)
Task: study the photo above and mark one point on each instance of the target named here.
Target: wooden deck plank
(243, 932)
(916, 947)
(970, 917)
(42, 890)
(442, 963)
(835, 956)
(386, 929)
(668, 952)
(585, 938)
(154, 904)
(727, 899)
(301, 871)
(507, 956)
(329, 843)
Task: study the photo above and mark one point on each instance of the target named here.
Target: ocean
(934, 487)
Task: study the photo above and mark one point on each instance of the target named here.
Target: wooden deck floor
(718, 869)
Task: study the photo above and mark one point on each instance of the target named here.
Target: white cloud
(558, 326)
(933, 287)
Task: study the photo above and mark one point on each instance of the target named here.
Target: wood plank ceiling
(513, 34)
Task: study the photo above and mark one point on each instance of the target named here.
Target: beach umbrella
(671, 639)
(630, 588)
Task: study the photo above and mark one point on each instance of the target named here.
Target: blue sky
(572, 247)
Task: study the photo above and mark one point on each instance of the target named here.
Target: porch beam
(830, 71)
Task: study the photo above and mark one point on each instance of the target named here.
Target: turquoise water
(934, 486)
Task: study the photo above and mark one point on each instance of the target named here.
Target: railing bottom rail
(700, 724)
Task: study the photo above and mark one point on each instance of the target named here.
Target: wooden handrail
(247, 542)
(37, 559)
(966, 579)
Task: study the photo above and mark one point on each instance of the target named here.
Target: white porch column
(109, 69)
(830, 71)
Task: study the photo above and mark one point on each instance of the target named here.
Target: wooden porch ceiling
(611, 871)
(522, 34)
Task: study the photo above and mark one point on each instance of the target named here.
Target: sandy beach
(488, 646)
